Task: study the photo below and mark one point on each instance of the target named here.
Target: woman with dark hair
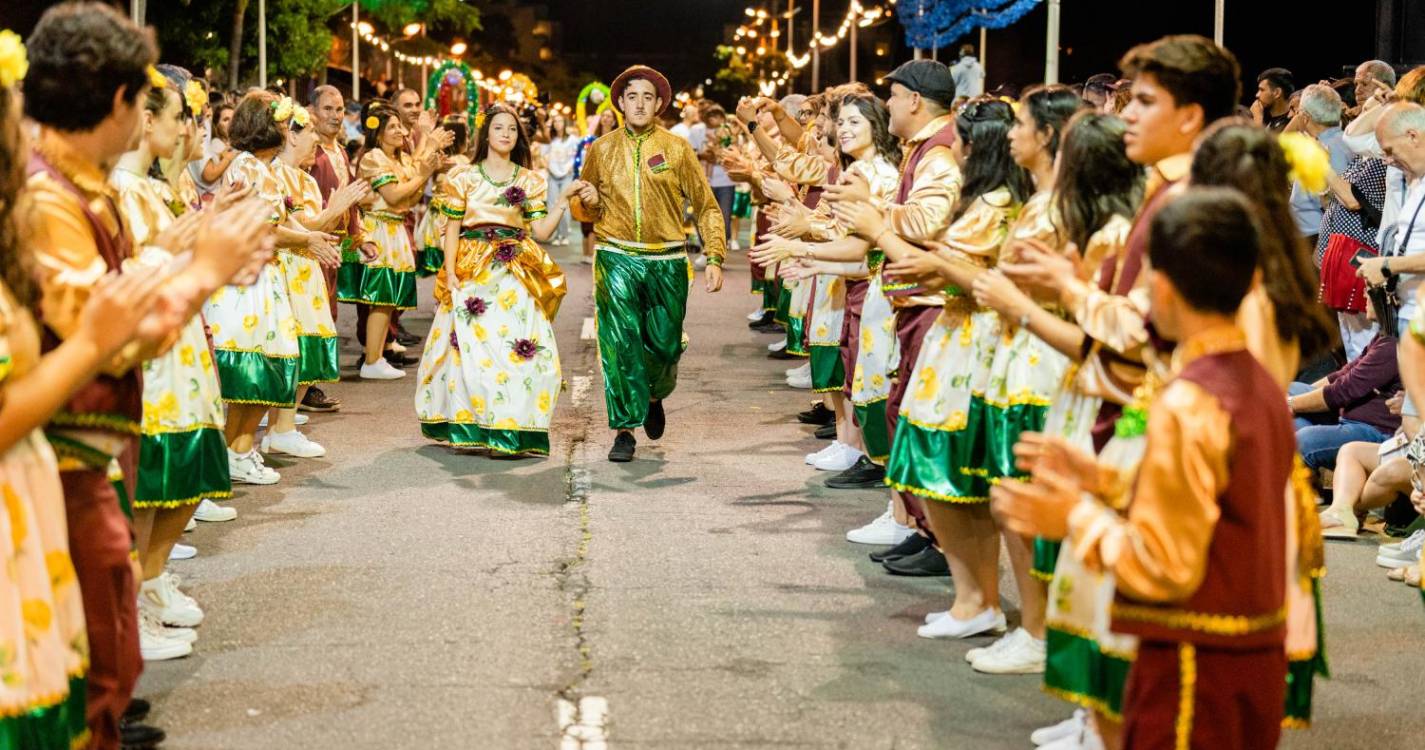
(182, 450)
(430, 232)
(489, 376)
(253, 328)
(388, 280)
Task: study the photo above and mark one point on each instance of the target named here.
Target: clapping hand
(1034, 264)
(324, 248)
(852, 188)
(862, 219)
(117, 308)
(773, 250)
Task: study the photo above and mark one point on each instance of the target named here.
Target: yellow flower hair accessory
(282, 109)
(196, 96)
(1308, 159)
(480, 119)
(373, 122)
(13, 61)
(156, 79)
(301, 116)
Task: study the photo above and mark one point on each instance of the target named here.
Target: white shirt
(559, 156)
(1410, 241)
(681, 130)
(969, 77)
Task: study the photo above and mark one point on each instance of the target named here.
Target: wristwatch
(752, 126)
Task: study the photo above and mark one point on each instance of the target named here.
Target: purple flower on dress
(454, 340)
(506, 252)
(288, 203)
(514, 195)
(525, 349)
(474, 307)
(520, 235)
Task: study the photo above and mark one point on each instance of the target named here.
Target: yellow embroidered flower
(13, 61)
(18, 528)
(61, 570)
(166, 408)
(878, 381)
(464, 416)
(249, 323)
(502, 377)
(37, 615)
(480, 333)
(301, 116)
(487, 363)
(217, 296)
(821, 332)
(196, 97)
(450, 386)
(515, 359)
(319, 302)
(544, 402)
(508, 423)
(156, 79)
(282, 109)
(868, 341)
(1033, 358)
(507, 300)
(206, 360)
(483, 277)
(504, 331)
(929, 385)
(966, 334)
(477, 404)
(373, 122)
(187, 356)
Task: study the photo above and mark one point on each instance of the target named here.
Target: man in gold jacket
(633, 187)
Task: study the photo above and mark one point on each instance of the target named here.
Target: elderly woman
(1319, 116)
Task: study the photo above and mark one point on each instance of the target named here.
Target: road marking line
(587, 331)
(582, 727)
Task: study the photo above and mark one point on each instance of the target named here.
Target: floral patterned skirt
(877, 356)
(1023, 379)
(255, 340)
(430, 236)
(490, 375)
(41, 613)
(316, 332)
(182, 451)
(389, 280)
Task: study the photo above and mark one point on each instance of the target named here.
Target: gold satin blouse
(472, 197)
(935, 189)
(301, 188)
(248, 170)
(381, 169)
(148, 206)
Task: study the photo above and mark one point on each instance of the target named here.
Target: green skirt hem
(1002, 427)
(1046, 558)
(509, 442)
(254, 378)
(940, 464)
(1078, 671)
(429, 261)
(387, 287)
(182, 468)
(872, 419)
(318, 362)
(58, 726)
(827, 373)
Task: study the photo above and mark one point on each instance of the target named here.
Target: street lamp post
(1051, 45)
(815, 46)
(262, 44)
(1219, 18)
(355, 52)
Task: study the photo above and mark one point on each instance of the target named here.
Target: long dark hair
(1236, 153)
(15, 267)
(875, 112)
(520, 154)
(983, 125)
(1051, 106)
(383, 113)
(1096, 179)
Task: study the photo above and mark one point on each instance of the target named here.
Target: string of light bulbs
(856, 14)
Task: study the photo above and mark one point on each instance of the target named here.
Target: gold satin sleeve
(536, 204)
(1257, 317)
(140, 214)
(1118, 322)
(798, 167)
(1159, 551)
(983, 228)
(1036, 220)
(1108, 240)
(935, 189)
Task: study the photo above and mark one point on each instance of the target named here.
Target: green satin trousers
(639, 304)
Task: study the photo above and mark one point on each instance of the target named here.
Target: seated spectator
(1367, 476)
(1348, 405)
(1319, 116)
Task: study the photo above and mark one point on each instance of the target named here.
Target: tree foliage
(742, 71)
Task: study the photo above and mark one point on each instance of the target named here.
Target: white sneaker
(883, 531)
(1070, 727)
(262, 466)
(842, 459)
(756, 314)
(812, 458)
(155, 644)
(1022, 655)
(700, 262)
(778, 345)
(299, 420)
(975, 653)
(1401, 554)
(182, 552)
(292, 443)
(192, 523)
(394, 346)
(801, 382)
(381, 370)
(734, 245)
(796, 372)
(245, 469)
(171, 606)
(210, 512)
(989, 621)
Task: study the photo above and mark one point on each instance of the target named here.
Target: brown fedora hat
(660, 82)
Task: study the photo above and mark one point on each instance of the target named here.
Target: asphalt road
(397, 594)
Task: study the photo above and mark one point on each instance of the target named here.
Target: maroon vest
(1241, 602)
(104, 403)
(329, 180)
(944, 137)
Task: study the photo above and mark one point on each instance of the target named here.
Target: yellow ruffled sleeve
(536, 201)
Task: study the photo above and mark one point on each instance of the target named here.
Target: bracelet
(715, 260)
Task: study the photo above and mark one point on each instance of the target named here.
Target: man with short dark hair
(1272, 107)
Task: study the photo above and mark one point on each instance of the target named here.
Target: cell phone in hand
(1360, 255)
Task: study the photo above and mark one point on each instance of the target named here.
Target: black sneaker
(141, 737)
(911, 545)
(137, 711)
(766, 319)
(317, 400)
(622, 452)
(771, 326)
(399, 360)
(826, 432)
(656, 421)
(928, 563)
(863, 475)
(818, 415)
(781, 354)
(406, 338)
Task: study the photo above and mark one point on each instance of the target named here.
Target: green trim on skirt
(182, 468)
(509, 442)
(254, 378)
(827, 372)
(1002, 428)
(318, 362)
(348, 277)
(429, 261)
(1076, 670)
(940, 464)
(771, 292)
(1046, 558)
(872, 419)
(59, 726)
(387, 287)
(796, 336)
(783, 305)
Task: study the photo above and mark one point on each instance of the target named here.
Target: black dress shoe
(911, 545)
(928, 563)
(817, 415)
(317, 400)
(862, 475)
(137, 711)
(622, 452)
(397, 359)
(770, 326)
(826, 432)
(655, 422)
(406, 338)
(141, 737)
(781, 354)
(766, 319)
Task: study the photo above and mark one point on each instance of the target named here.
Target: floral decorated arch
(452, 89)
